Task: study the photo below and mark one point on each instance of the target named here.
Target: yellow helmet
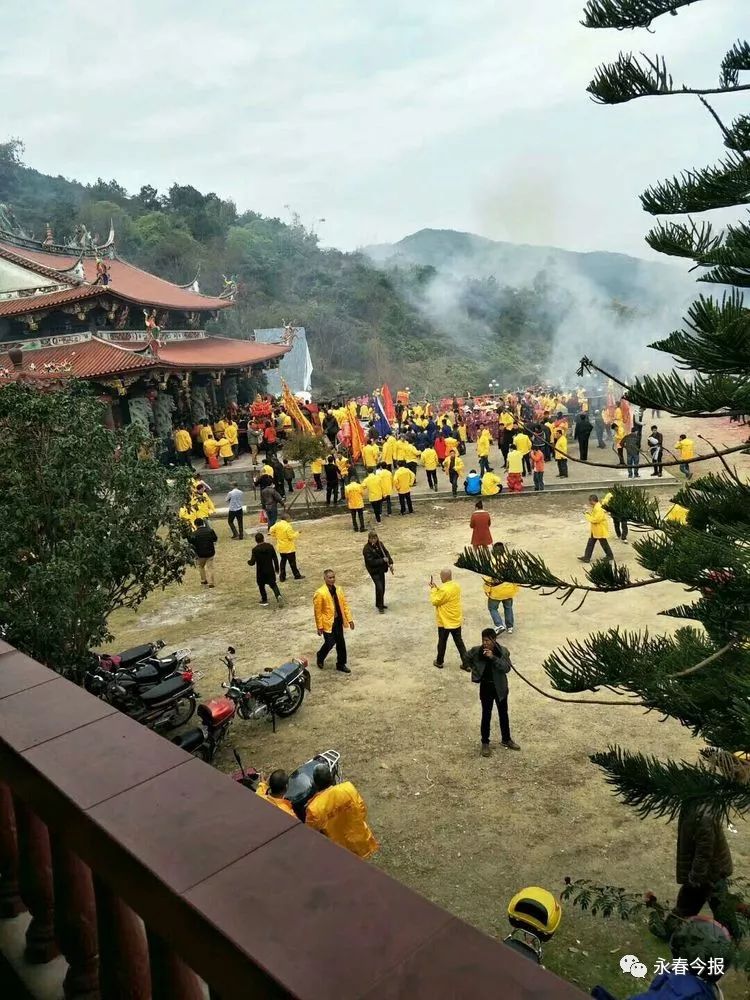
(536, 910)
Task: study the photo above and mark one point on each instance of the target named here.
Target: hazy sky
(381, 117)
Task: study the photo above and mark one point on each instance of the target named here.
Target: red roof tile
(12, 254)
(126, 281)
(89, 359)
(34, 303)
(219, 352)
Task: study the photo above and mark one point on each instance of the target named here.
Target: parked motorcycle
(278, 691)
(146, 673)
(301, 787)
(166, 705)
(204, 741)
(128, 657)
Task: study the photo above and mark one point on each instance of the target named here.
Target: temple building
(78, 310)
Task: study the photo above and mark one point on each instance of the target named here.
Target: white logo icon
(628, 961)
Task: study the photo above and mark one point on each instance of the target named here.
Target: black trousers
(289, 558)
(262, 584)
(488, 698)
(484, 464)
(621, 456)
(657, 457)
(443, 634)
(604, 544)
(318, 481)
(183, 458)
(412, 467)
(379, 580)
(331, 639)
(332, 491)
(692, 898)
(235, 516)
(431, 479)
(453, 476)
(562, 468)
(621, 528)
(358, 515)
(583, 448)
(377, 509)
(527, 464)
(388, 507)
(504, 445)
(404, 500)
(600, 437)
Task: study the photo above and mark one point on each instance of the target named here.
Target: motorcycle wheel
(243, 708)
(291, 702)
(184, 710)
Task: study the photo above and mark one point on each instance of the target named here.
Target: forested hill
(361, 327)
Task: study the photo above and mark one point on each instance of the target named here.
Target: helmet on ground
(535, 910)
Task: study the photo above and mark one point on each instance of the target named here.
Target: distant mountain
(634, 282)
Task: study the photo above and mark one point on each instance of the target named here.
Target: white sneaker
(510, 630)
(499, 629)
(264, 604)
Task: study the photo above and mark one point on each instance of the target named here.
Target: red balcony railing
(154, 875)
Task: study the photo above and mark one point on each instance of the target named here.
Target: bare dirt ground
(464, 831)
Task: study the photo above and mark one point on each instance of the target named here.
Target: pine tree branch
(662, 788)
(678, 239)
(723, 185)
(627, 79)
(739, 134)
(575, 701)
(734, 62)
(704, 663)
(622, 14)
(716, 336)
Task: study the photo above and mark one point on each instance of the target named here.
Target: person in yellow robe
(225, 450)
(492, 484)
(332, 617)
(356, 504)
(219, 427)
(597, 519)
(561, 455)
(232, 434)
(483, 450)
(403, 480)
(370, 456)
(210, 448)
(206, 431)
(389, 450)
(372, 485)
(386, 479)
(445, 598)
(183, 445)
(430, 463)
(316, 468)
(286, 537)
(453, 466)
(339, 812)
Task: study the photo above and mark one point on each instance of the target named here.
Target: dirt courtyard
(464, 831)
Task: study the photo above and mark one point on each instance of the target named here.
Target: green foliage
(303, 448)
(628, 13)
(88, 526)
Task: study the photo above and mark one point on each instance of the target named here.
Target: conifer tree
(699, 674)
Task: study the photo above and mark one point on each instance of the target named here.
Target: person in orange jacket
(332, 616)
(339, 812)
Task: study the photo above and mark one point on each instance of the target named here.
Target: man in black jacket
(490, 665)
(203, 541)
(266, 564)
(332, 480)
(600, 427)
(581, 434)
(377, 563)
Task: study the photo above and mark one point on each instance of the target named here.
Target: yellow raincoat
(325, 609)
(561, 447)
(373, 486)
(403, 479)
(341, 814)
(499, 591)
(284, 804)
(515, 463)
(522, 442)
(389, 448)
(182, 440)
(354, 498)
(446, 599)
(370, 455)
(284, 535)
(491, 484)
(316, 466)
(598, 521)
(231, 432)
(483, 443)
(458, 464)
(225, 448)
(430, 459)
(386, 478)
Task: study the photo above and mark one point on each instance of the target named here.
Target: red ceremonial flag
(390, 409)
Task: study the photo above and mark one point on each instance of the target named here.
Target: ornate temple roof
(126, 281)
(87, 356)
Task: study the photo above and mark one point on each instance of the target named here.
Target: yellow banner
(292, 407)
(357, 434)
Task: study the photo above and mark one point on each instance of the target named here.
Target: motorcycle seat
(270, 683)
(129, 657)
(190, 740)
(166, 690)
